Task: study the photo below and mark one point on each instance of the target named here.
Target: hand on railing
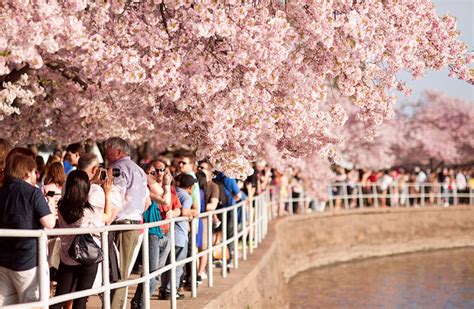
(194, 213)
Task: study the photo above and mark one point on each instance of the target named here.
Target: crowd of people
(400, 186)
(74, 189)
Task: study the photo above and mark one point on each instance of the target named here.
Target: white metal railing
(255, 216)
(253, 229)
(378, 195)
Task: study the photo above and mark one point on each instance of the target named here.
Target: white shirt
(461, 181)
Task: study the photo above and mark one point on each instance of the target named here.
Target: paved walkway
(205, 293)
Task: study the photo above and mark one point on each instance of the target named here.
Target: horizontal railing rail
(249, 228)
(379, 195)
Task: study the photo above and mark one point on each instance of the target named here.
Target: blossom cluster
(226, 78)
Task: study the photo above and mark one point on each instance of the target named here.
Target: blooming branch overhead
(224, 77)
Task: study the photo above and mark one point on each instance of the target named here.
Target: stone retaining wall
(295, 244)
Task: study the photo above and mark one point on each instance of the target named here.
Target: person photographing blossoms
(132, 184)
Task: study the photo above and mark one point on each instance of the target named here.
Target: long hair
(72, 205)
(202, 180)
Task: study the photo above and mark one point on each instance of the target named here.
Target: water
(436, 279)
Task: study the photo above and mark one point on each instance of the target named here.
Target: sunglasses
(160, 170)
(153, 173)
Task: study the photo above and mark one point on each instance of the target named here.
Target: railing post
(224, 246)
(408, 195)
(146, 267)
(210, 273)
(439, 196)
(389, 196)
(267, 218)
(300, 204)
(244, 229)
(331, 199)
(257, 218)
(422, 193)
(251, 227)
(194, 222)
(346, 201)
(236, 238)
(290, 200)
(43, 270)
(471, 196)
(260, 219)
(360, 191)
(375, 195)
(105, 268)
(173, 265)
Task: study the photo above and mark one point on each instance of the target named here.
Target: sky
(463, 10)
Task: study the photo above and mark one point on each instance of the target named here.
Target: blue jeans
(158, 250)
(166, 277)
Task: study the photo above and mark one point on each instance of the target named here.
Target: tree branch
(14, 75)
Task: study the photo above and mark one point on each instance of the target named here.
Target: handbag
(218, 253)
(85, 250)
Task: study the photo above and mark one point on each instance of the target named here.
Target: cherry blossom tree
(441, 128)
(375, 153)
(224, 77)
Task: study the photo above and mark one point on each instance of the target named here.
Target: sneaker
(216, 225)
(204, 276)
(199, 279)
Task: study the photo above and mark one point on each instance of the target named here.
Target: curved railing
(255, 216)
(346, 195)
(253, 230)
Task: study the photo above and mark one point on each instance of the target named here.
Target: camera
(50, 193)
(116, 172)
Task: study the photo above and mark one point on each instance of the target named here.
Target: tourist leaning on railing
(187, 166)
(135, 196)
(233, 195)
(184, 188)
(155, 235)
(211, 200)
(22, 206)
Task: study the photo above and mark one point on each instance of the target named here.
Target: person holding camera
(54, 179)
(132, 183)
(75, 211)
